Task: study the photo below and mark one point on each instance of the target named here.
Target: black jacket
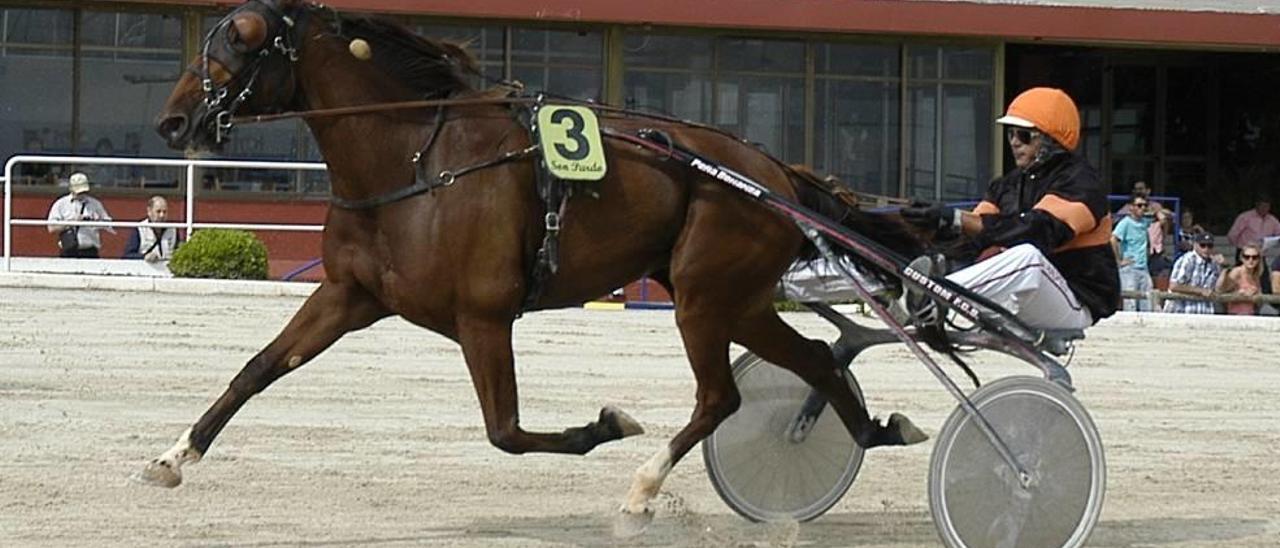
(1059, 206)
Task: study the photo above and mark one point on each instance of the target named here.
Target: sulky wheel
(977, 500)
(760, 466)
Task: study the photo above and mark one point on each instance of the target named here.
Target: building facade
(895, 97)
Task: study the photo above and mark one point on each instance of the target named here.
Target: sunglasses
(1140, 204)
(1023, 135)
(1251, 257)
(1210, 246)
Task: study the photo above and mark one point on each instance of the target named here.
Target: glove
(938, 217)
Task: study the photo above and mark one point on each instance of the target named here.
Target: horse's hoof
(631, 524)
(159, 474)
(626, 425)
(907, 431)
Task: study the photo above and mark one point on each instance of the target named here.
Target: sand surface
(379, 441)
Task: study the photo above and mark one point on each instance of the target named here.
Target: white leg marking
(294, 361)
(181, 452)
(166, 470)
(648, 480)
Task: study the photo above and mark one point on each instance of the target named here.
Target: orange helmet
(1049, 110)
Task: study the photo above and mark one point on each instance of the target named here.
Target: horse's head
(245, 66)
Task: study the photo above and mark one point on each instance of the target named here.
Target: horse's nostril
(172, 127)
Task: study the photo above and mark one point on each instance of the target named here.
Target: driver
(1047, 223)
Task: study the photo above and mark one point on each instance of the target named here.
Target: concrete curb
(190, 286)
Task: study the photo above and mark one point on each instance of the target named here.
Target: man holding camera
(80, 242)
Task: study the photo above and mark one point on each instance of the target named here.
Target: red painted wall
(285, 250)
(916, 17)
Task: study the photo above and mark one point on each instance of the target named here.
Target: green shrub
(215, 253)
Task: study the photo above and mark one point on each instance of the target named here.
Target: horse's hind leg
(330, 312)
(486, 345)
(765, 334)
(704, 328)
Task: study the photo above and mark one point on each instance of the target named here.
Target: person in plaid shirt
(1195, 273)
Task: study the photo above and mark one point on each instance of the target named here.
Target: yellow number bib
(570, 140)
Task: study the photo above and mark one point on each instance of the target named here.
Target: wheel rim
(978, 501)
(758, 471)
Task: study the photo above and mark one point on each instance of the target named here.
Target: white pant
(820, 281)
(1022, 280)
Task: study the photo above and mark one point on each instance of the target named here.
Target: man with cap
(1047, 222)
(78, 241)
(1195, 273)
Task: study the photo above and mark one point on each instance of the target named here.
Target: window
(36, 82)
(760, 93)
(856, 113)
(949, 121)
(668, 75)
(561, 62)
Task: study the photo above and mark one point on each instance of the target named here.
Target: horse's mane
(429, 66)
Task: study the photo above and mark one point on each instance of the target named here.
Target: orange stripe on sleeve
(1100, 235)
(986, 208)
(1075, 214)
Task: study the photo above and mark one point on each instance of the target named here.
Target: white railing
(190, 168)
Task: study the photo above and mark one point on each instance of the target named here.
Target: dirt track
(379, 442)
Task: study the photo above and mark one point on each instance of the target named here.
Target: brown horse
(457, 259)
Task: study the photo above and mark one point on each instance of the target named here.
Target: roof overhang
(948, 18)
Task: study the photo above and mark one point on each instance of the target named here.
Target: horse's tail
(833, 200)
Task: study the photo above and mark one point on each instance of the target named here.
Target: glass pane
(922, 127)
(1133, 121)
(669, 74)
(36, 26)
(123, 87)
(962, 63)
(668, 52)
(857, 60)
(564, 63)
(768, 111)
(856, 134)
(754, 55)
(966, 151)
(683, 95)
(538, 46)
(923, 61)
(485, 44)
(1186, 111)
(36, 89)
(576, 83)
(1126, 171)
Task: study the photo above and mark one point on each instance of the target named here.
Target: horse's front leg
(486, 345)
(333, 310)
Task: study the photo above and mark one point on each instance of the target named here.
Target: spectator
(1195, 273)
(1140, 188)
(1244, 279)
(1132, 246)
(78, 241)
(151, 243)
(1158, 262)
(1187, 231)
(1253, 225)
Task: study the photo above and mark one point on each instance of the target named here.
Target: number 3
(573, 130)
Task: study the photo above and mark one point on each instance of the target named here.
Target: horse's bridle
(219, 102)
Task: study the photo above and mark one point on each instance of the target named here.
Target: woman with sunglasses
(1047, 221)
(1244, 279)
